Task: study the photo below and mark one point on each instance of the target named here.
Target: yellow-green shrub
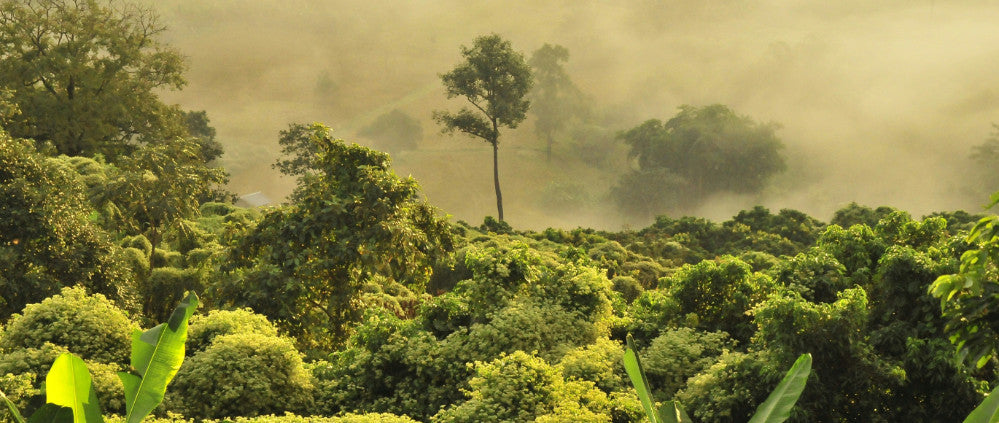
(241, 375)
(205, 328)
(89, 326)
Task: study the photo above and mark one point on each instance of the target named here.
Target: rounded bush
(89, 326)
(680, 353)
(599, 363)
(203, 329)
(137, 260)
(628, 287)
(246, 374)
(31, 363)
(515, 387)
(139, 242)
(216, 209)
(110, 391)
(549, 331)
(198, 257)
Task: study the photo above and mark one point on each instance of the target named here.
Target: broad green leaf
(777, 407)
(156, 357)
(68, 384)
(987, 411)
(13, 408)
(672, 412)
(636, 373)
(51, 413)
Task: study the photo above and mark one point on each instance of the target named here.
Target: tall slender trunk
(499, 195)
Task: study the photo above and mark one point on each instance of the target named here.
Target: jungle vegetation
(358, 301)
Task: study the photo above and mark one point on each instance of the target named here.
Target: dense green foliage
(84, 75)
(267, 369)
(358, 301)
(88, 326)
(46, 238)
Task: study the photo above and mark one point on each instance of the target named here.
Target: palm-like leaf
(156, 356)
(68, 384)
(777, 407)
(987, 411)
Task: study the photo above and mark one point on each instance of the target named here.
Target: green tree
(304, 264)
(299, 152)
(158, 186)
(199, 127)
(555, 99)
(968, 298)
(710, 149)
(495, 79)
(85, 74)
(47, 240)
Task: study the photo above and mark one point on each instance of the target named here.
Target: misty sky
(879, 101)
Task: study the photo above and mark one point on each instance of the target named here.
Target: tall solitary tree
(495, 79)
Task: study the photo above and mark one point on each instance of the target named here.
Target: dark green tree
(158, 186)
(85, 74)
(495, 79)
(711, 148)
(47, 240)
(199, 127)
(555, 99)
(299, 152)
(304, 264)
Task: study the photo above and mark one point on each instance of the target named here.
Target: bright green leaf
(633, 365)
(68, 384)
(777, 407)
(156, 356)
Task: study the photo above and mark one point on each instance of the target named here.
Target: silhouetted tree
(710, 149)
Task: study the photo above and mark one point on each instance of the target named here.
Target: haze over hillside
(880, 102)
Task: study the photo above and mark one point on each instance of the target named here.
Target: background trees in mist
(698, 152)
(495, 79)
(986, 155)
(555, 99)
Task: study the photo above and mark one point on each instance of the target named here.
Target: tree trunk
(152, 252)
(499, 195)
